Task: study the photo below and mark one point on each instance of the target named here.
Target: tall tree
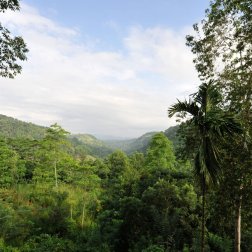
(223, 49)
(211, 124)
(12, 49)
(53, 149)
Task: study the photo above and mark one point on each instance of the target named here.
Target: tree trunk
(55, 174)
(203, 215)
(238, 226)
(71, 212)
(83, 215)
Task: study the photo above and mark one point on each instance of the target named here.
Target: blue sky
(107, 20)
(109, 68)
(89, 14)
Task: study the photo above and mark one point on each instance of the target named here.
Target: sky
(109, 68)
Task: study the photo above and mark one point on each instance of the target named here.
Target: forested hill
(84, 143)
(96, 147)
(132, 145)
(89, 144)
(14, 128)
(141, 143)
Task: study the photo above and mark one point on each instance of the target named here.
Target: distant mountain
(93, 146)
(101, 148)
(130, 146)
(141, 143)
(84, 144)
(89, 144)
(88, 139)
(14, 128)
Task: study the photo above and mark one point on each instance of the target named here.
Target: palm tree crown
(212, 124)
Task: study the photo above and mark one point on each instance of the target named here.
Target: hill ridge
(14, 128)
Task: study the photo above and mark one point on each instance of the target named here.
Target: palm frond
(212, 160)
(208, 96)
(184, 107)
(219, 123)
(212, 124)
(207, 163)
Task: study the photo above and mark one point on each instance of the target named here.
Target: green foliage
(53, 150)
(225, 36)
(118, 163)
(10, 172)
(14, 218)
(217, 243)
(137, 161)
(149, 212)
(51, 210)
(13, 49)
(120, 203)
(48, 243)
(211, 124)
(154, 248)
(13, 128)
(171, 134)
(6, 248)
(160, 153)
(86, 144)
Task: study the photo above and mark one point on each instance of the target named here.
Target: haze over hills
(14, 128)
(131, 145)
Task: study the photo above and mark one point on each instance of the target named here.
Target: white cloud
(123, 93)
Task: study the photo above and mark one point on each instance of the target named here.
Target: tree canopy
(12, 48)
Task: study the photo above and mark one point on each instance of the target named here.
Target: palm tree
(211, 124)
